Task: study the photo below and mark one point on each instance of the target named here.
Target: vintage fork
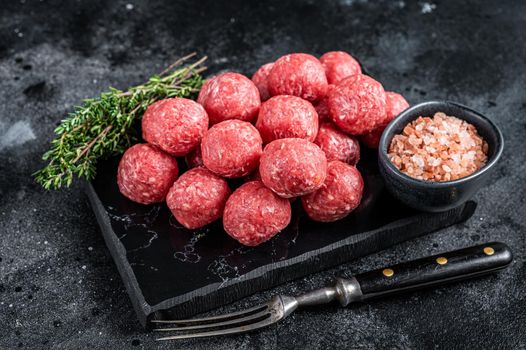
(426, 272)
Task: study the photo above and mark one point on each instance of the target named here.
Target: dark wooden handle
(435, 270)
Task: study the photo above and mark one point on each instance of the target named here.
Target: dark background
(58, 285)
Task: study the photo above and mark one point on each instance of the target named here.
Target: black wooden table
(58, 285)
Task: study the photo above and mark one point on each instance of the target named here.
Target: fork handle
(435, 270)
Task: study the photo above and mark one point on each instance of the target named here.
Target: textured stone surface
(58, 285)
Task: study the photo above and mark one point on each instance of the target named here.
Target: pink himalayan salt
(441, 148)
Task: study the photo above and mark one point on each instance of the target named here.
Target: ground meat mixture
(337, 145)
(146, 173)
(175, 125)
(287, 116)
(230, 96)
(339, 65)
(293, 167)
(440, 148)
(260, 80)
(232, 148)
(340, 194)
(198, 198)
(357, 104)
(254, 214)
(298, 74)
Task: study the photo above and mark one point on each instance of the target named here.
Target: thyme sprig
(105, 126)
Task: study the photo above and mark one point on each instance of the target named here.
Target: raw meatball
(339, 65)
(232, 148)
(357, 104)
(293, 167)
(321, 107)
(287, 116)
(340, 194)
(298, 74)
(175, 125)
(395, 104)
(230, 96)
(337, 145)
(146, 173)
(198, 198)
(260, 80)
(254, 214)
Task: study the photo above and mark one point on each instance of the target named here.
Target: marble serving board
(170, 271)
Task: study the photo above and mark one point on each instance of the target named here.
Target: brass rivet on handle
(489, 251)
(441, 260)
(388, 272)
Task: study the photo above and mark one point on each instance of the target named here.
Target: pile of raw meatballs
(293, 130)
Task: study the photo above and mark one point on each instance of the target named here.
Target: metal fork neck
(344, 290)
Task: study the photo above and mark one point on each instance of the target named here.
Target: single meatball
(357, 104)
(298, 74)
(146, 173)
(322, 108)
(287, 116)
(194, 158)
(293, 167)
(337, 145)
(260, 80)
(230, 96)
(198, 198)
(339, 65)
(232, 148)
(175, 125)
(254, 214)
(394, 105)
(340, 194)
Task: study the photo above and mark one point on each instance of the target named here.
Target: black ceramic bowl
(438, 196)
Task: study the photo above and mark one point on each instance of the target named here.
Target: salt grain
(441, 148)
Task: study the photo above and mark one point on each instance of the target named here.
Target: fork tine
(240, 329)
(234, 321)
(214, 319)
